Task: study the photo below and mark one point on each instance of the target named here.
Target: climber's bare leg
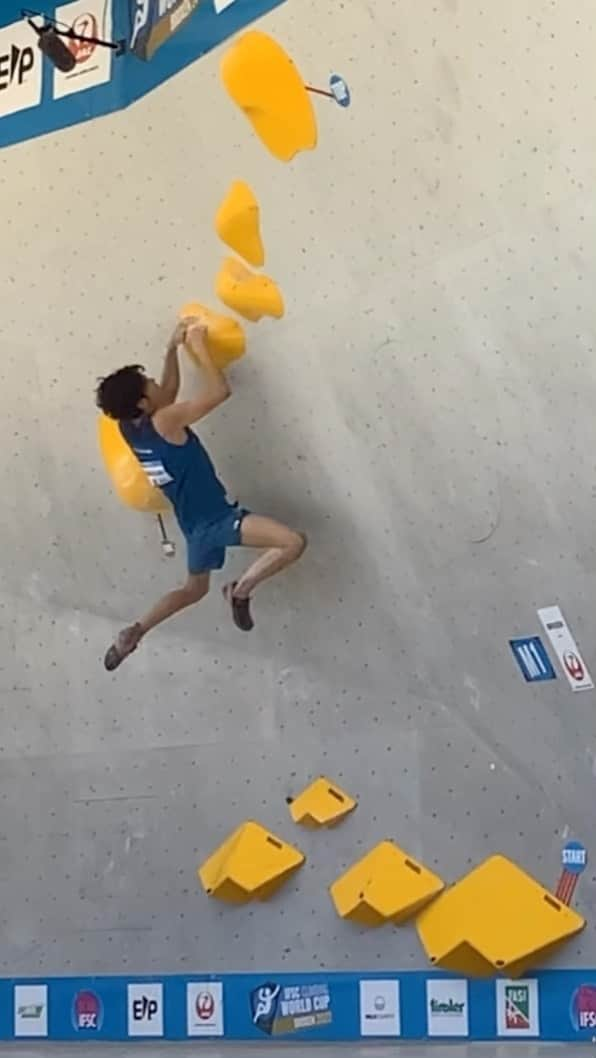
(284, 546)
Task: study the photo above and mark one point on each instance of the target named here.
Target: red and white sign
(88, 18)
(566, 649)
(204, 1008)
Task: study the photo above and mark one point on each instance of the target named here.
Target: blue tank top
(184, 473)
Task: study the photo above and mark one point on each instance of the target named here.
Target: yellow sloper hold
(126, 473)
(250, 865)
(251, 296)
(265, 83)
(497, 919)
(226, 340)
(386, 885)
(322, 804)
(237, 224)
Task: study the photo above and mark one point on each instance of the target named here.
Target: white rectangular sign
(31, 1010)
(145, 1009)
(447, 1007)
(93, 63)
(517, 1008)
(565, 648)
(204, 1008)
(20, 69)
(379, 1008)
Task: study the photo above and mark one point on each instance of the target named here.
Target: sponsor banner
(153, 22)
(379, 1008)
(145, 1009)
(565, 648)
(447, 1007)
(517, 1008)
(204, 1008)
(31, 1010)
(89, 18)
(20, 69)
(278, 1009)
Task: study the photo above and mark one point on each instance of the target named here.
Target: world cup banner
(153, 22)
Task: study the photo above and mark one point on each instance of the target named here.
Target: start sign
(574, 857)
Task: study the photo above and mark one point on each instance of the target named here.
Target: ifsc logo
(583, 1008)
(87, 1012)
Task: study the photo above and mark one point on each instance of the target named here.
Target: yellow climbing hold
(226, 341)
(237, 223)
(265, 83)
(250, 865)
(250, 295)
(497, 919)
(386, 885)
(130, 481)
(322, 804)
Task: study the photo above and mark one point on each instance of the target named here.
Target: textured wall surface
(424, 412)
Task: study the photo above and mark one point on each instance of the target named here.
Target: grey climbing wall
(425, 411)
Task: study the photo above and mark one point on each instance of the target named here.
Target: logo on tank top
(157, 473)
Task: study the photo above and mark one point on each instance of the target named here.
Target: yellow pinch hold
(251, 296)
(265, 83)
(237, 223)
(130, 481)
(226, 340)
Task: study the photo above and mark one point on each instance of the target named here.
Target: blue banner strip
(319, 1007)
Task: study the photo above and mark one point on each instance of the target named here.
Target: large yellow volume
(497, 919)
(386, 885)
(126, 473)
(265, 83)
(250, 865)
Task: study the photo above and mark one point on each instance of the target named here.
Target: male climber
(157, 429)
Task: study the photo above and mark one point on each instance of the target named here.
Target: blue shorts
(206, 545)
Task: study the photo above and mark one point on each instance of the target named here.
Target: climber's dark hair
(119, 394)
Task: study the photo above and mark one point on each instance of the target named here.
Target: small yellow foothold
(250, 295)
(237, 223)
(250, 865)
(265, 83)
(321, 804)
(130, 481)
(226, 341)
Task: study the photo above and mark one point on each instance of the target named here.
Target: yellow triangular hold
(264, 82)
(497, 919)
(250, 295)
(226, 341)
(386, 885)
(130, 481)
(237, 223)
(250, 865)
(322, 804)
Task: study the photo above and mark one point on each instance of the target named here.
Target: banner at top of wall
(159, 38)
(154, 21)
